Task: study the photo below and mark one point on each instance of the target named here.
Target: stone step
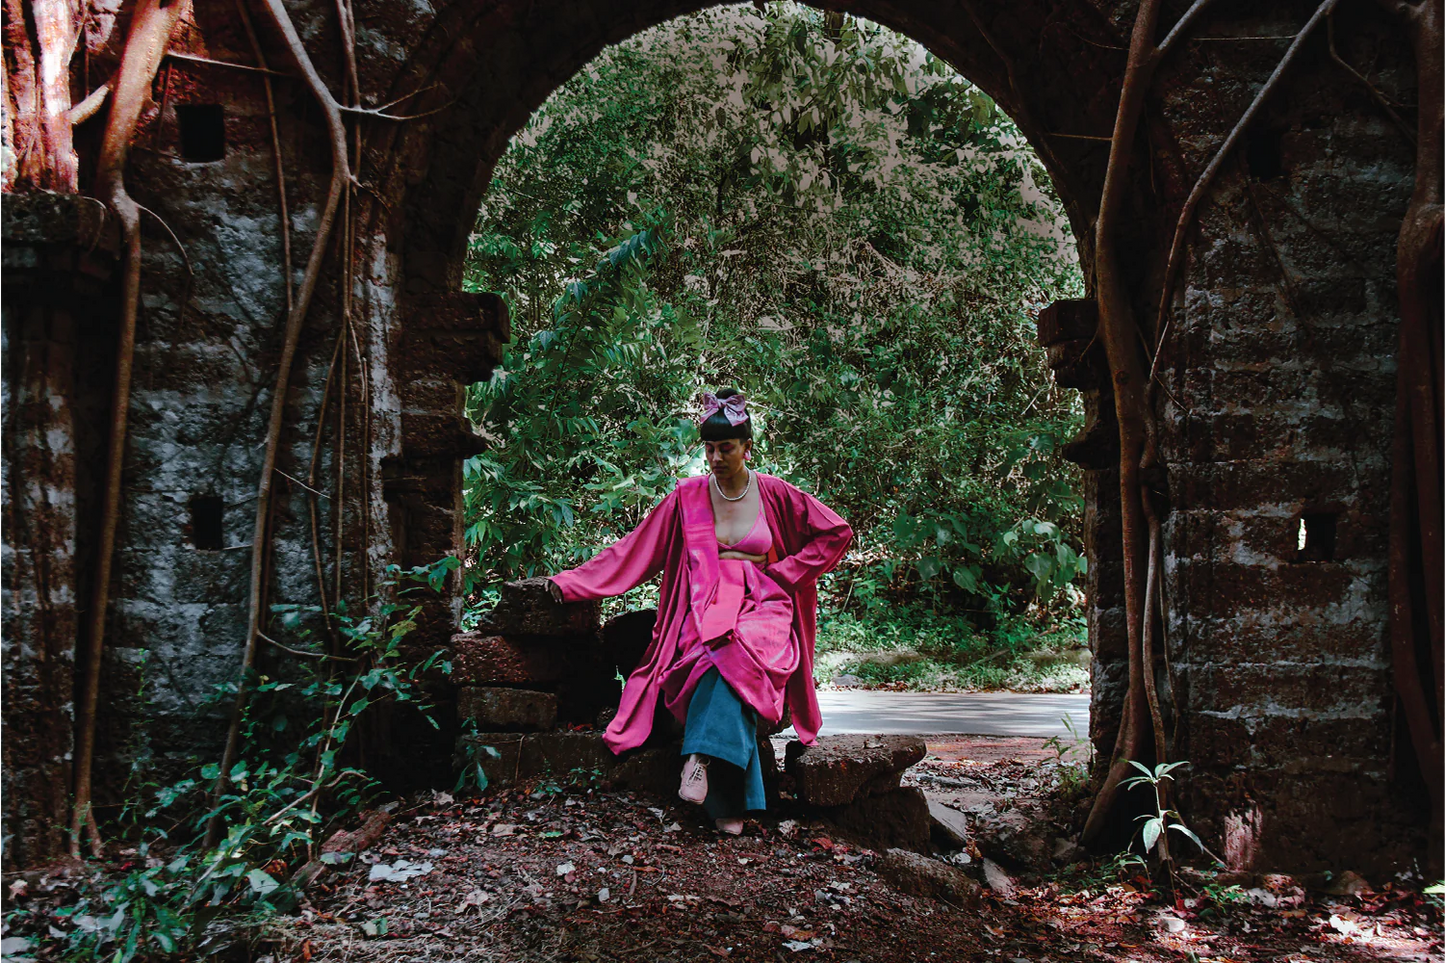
(582, 757)
(570, 757)
(493, 708)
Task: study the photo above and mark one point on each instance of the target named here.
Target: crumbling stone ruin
(1281, 500)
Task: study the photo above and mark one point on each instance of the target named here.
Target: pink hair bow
(734, 408)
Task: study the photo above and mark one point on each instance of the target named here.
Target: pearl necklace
(729, 498)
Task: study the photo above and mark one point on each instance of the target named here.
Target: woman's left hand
(759, 559)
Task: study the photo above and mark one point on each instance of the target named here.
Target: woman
(740, 554)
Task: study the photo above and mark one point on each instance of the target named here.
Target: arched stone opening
(1279, 381)
(1065, 109)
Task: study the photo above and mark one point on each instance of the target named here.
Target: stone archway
(1244, 471)
(1279, 382)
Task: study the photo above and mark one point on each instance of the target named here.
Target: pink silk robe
(678, 538)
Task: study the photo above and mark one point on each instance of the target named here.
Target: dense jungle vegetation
(818, 211)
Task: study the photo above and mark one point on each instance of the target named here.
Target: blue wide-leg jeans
(720, 726)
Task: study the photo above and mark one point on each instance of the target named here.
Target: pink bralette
(757, 541)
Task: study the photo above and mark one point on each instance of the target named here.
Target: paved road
(975, 713)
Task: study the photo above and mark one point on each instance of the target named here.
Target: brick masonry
(1279, 382)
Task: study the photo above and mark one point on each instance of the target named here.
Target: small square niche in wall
(203, 132)
(207, 516)
(1315, 537)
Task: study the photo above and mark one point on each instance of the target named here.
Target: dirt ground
(551, 872)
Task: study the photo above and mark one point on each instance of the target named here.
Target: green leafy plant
(1156, 824)
(1073, 774)
(289, 786)
(473, 775)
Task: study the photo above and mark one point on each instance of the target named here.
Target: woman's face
(725, 458)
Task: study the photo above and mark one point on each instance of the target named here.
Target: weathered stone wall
(1280, 410)
(1275, 403)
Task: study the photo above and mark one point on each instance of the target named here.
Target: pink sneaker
(733, 827)
(694, 779)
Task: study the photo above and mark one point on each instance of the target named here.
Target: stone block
(1074, 319)
(559, 755)
(1268, 687)
(917, 875)
(498, 753)
(1078, 364)
(581, 697)
(507, 709)
(836, 770)
(453, 333)
(898, 817)
(949, 827)
(526, 608)
(656, 771)
(485, 659)
(433, 434)
(1097, 448)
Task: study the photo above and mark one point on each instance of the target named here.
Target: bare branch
(1195, 9)
(1374, 91)
(381, 114)
(90, 106)
(192, 58)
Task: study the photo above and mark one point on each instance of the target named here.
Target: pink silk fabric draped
(678, 538)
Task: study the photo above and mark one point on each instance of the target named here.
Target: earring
(748, 457)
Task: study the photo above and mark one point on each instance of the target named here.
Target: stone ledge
(507, 709)
(569, 756)
(836, 770)
(46, 217)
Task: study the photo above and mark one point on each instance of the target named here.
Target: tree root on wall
(1118, 330)
(1417, 641)
(151, 26)
(340, 182)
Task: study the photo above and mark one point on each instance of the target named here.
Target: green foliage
(826, 215)
(285, 792)
(473, 775)
(1073, 773)
(1155, 824)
